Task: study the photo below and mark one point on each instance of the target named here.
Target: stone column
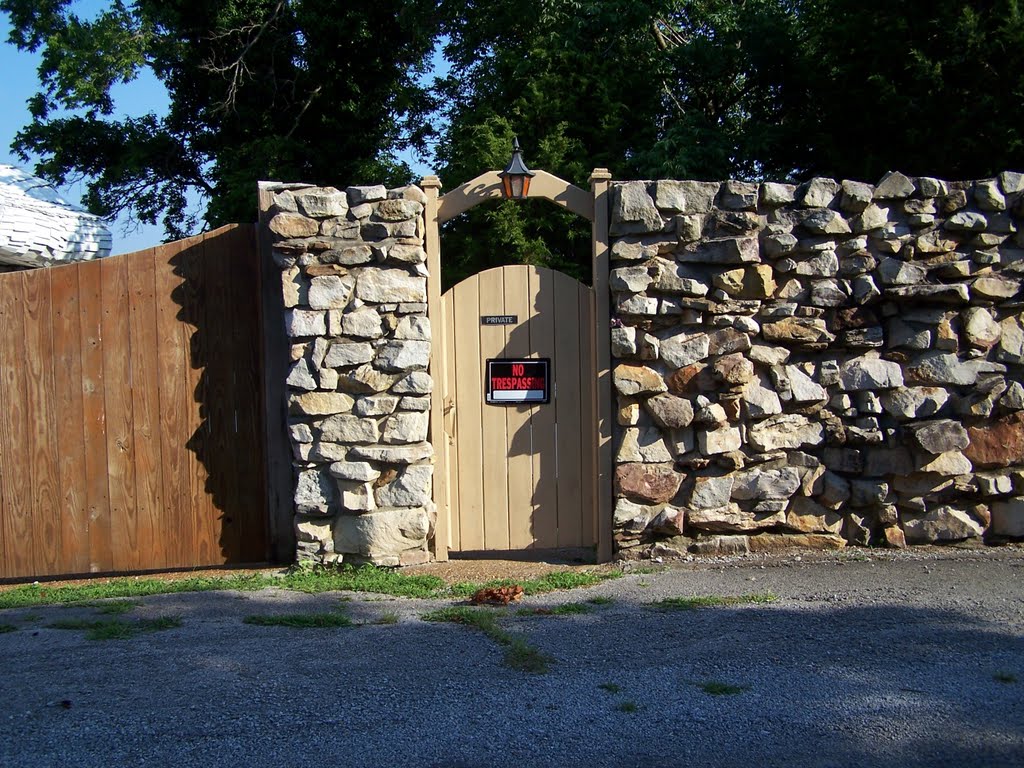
(354, 281)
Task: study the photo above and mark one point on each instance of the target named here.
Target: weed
(301, 620)
(518, 653)
(710, 601)
(568, 609)
(1004, 677)
(526, 658)
(601, 600)
(610, 687)
(7, 628)
(716, 688)
(115, 629)
(387, 618)
(628, 706)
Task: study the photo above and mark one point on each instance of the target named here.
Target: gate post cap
(430, 182)
(600, 174)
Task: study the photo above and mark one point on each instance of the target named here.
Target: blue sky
(144, 95)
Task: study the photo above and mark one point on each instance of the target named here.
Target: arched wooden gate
(521, 475)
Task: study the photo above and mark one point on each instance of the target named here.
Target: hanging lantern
(515, 179)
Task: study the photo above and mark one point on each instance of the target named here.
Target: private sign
(514, 382)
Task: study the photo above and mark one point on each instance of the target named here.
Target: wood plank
(449, 438)
(588, 429)
(41, 413)
(142, 311)
(14, 472)
(117, 400)
(469, 383)
(94, 432)
(173, 396)
(545, 457)
(67, 361)
(517, 417)
(219, 448)
(196, 427)
(247, 415)
(492, 421)
(567, 404)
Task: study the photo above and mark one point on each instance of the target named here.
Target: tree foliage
(717, 89)
(329, 92)
(310, 90)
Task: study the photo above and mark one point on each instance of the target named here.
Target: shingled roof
(38, 228)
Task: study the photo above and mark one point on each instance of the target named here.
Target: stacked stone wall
(830, 364)
(354, 285)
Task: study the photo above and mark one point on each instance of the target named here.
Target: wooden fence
(131, 414)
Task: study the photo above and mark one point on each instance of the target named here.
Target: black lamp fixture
(515, 179)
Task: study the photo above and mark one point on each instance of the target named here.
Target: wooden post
(274, 366)
(599, 185)
(438, 356)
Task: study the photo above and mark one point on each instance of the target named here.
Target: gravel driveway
(914, 659)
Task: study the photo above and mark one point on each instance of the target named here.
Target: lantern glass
(515, 179)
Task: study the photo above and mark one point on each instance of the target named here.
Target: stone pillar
(354, 281)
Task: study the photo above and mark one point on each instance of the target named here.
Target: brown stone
(636, 379)
(683, 381)
(798, 331)
(293, 225)
(320, 270)
(733, 370)
(656, 483)
(894, 537)
(670, 411)
(854, 317)
(997, 444)
(670, 522)
(727, 340)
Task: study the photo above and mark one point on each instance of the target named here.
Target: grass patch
(1004, 677)
(7, 628)
(710, 601)
(601, 600)
(550, 582)
(311, 580)
(301, 620)
(716, 688)
(519, 654)
(526, 658)
(628, 706)
(387, 619)
(115, 629)
(568, 609)
(610, 687)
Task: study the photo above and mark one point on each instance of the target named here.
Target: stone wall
(818, 365)
(354, 283)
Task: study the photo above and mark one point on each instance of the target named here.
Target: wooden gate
(131, 426)
(520, 476)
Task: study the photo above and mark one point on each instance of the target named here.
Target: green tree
(647, 88)
(310, 90)
(717, 89)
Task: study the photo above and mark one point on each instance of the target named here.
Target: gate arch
(485, 498)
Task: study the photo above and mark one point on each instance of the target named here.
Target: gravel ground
(878, 659)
